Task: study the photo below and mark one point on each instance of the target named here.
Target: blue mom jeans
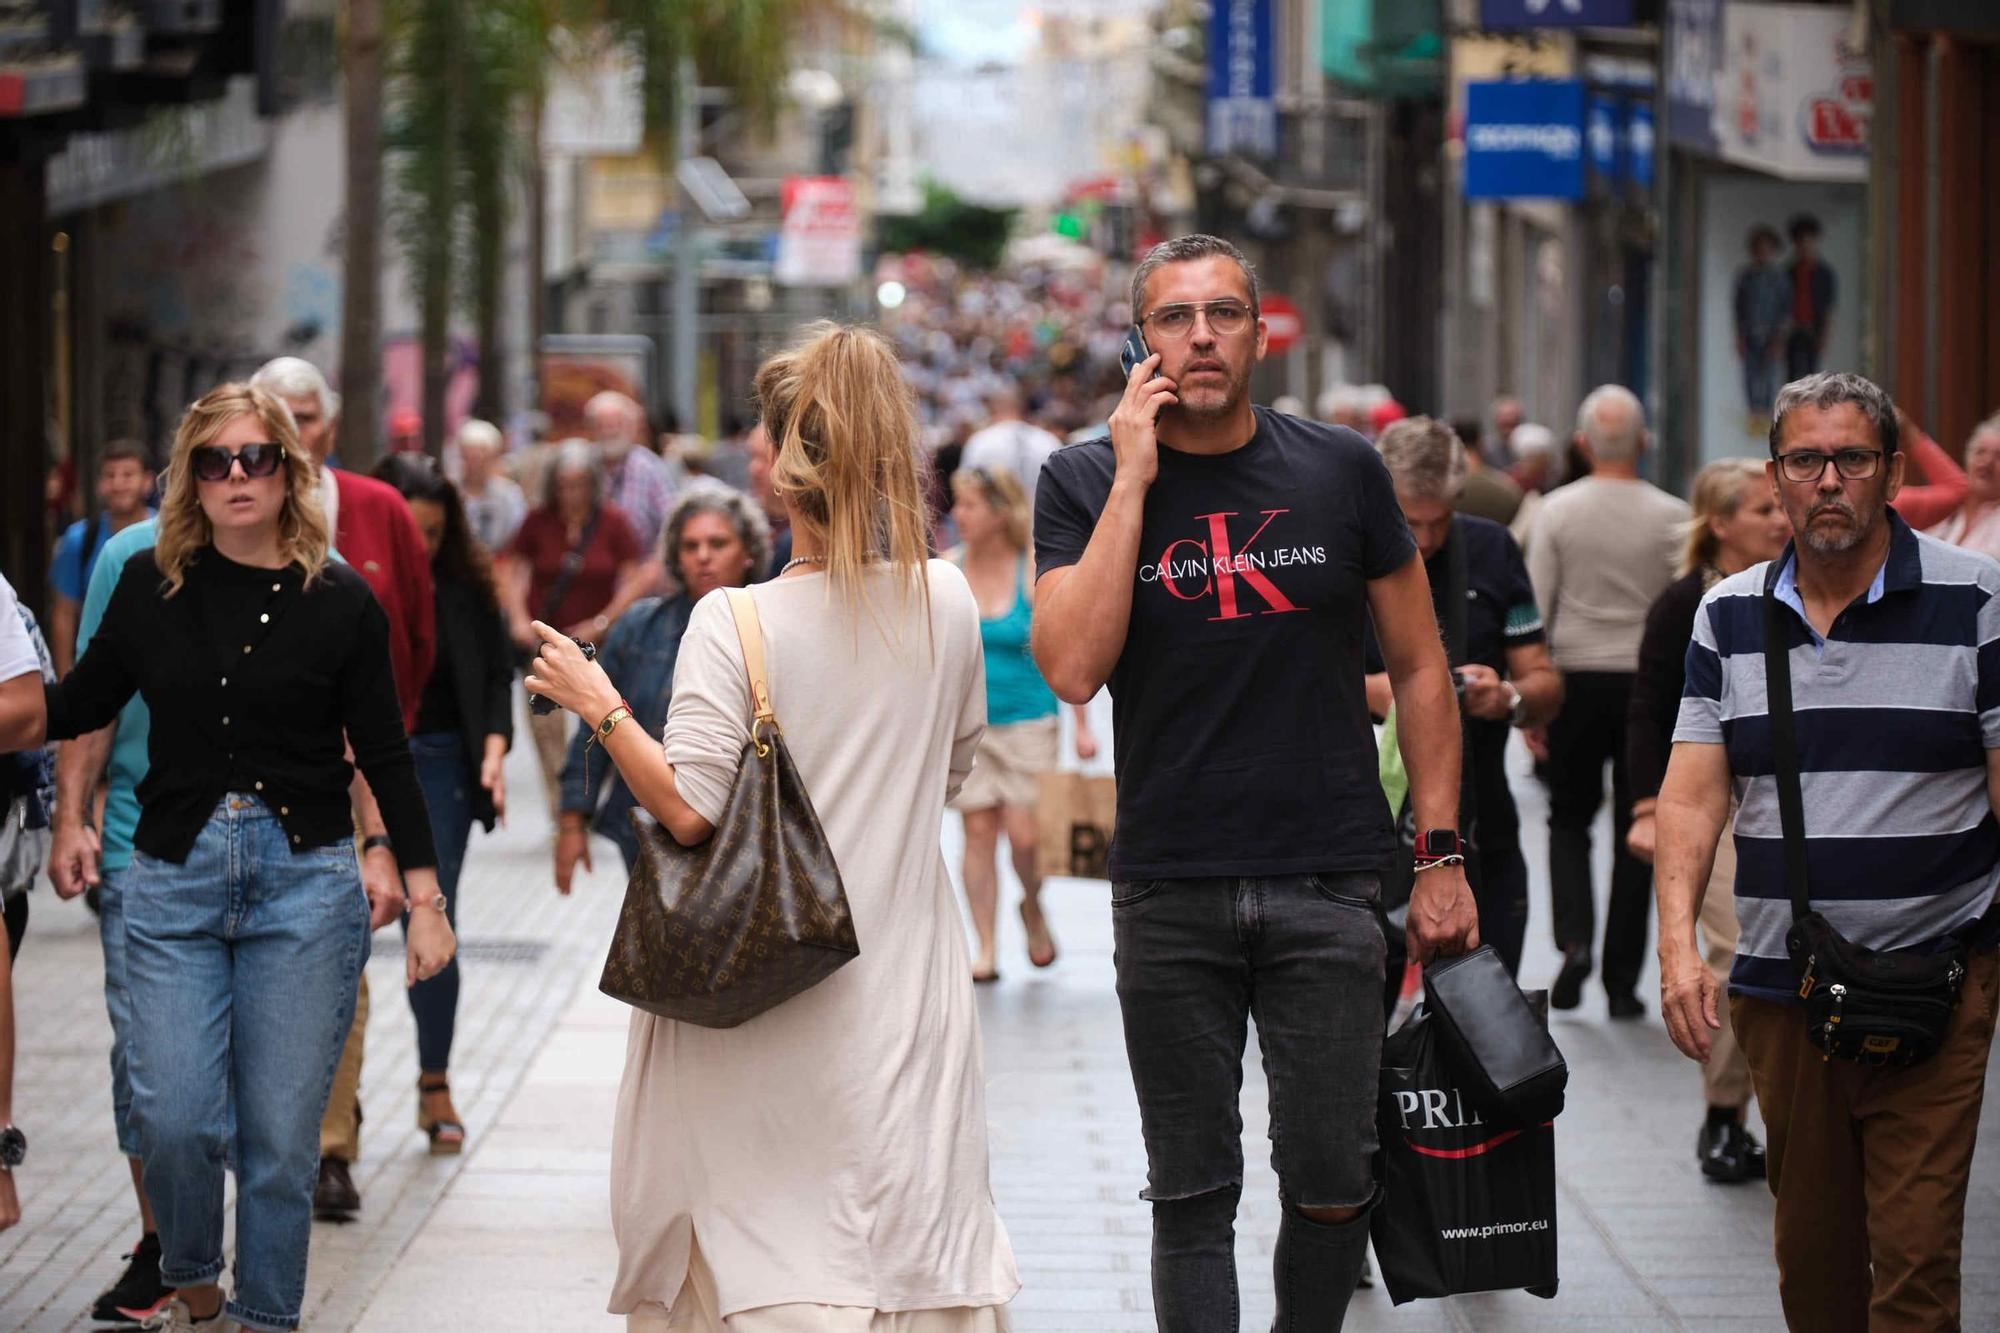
(241, 969)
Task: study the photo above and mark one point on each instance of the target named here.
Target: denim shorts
(1303, 956)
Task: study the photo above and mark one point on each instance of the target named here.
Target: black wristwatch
(13, 1148)
(1436, 843)
(374, 840)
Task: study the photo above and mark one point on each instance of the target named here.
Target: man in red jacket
(373, 532)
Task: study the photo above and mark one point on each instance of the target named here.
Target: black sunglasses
(211, 462)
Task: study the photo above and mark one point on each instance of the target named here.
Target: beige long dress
(830, 1152)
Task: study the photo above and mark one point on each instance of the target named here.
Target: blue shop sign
(1242, 113)
(1639, 145)
(1602, 134)
(1524, 139)
(1554, 13)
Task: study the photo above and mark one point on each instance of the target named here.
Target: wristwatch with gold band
(611, 721)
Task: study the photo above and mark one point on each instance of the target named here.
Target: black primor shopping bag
(1468, 1204)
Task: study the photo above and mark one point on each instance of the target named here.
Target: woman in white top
(824, 1165)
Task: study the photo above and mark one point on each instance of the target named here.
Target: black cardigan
(253, 679)
(1656, 692)
(473, 644)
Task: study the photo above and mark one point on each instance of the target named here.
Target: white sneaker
(175, 1317)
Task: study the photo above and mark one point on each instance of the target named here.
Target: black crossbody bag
(1888, 1007)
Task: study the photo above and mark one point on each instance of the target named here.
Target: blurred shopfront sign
(1524, 139)
(177, 144)
(1554, 13)
(819, 241)
(1242, 109)
(1694, 61)
(596, 102)
(1778, 87)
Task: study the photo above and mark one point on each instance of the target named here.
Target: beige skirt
(1008, 766)
(695, 1311)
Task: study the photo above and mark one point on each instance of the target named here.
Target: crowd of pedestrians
(285, 702)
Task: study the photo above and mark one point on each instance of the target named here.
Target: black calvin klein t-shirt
(1243, 739)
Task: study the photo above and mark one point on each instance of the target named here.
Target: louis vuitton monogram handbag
(716, 934)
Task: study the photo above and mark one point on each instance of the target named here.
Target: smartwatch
(1437, 843)
(374, 840)
(13, 1148)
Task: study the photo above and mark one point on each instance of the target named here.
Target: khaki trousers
(1869, 1167)
(551, 735)
(1725, 1078)
(340, 1124)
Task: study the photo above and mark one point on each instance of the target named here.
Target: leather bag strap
(1457, 615)
(1785, 744)
(751, 634)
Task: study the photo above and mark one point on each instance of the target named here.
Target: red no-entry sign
(1282, 323)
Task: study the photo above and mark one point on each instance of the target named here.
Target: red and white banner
(819, 241)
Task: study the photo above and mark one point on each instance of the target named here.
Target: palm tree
(470, 74)
(361, 295)
(428, 66)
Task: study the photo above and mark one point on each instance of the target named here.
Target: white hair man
(494, 504)
(637, 480)
(373, 532)
(1605, 547)
(1538, 468)
(1011, 442)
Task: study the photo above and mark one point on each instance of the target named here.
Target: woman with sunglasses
(991, 512)
(246, 925)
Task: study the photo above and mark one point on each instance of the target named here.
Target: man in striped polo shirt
(1895, 663)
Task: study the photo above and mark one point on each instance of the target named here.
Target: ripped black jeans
(1198, 958)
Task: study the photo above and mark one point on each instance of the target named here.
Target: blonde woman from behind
(824, 1165)
(1736, 523)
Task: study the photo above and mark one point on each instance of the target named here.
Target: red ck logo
(1192, 569)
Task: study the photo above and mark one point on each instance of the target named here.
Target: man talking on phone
(1215, 564)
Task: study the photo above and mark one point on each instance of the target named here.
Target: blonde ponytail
(843, 425)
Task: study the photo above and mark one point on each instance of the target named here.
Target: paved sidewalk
(525, 954)
(515, 1235)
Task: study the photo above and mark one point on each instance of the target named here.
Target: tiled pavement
(515, 1234)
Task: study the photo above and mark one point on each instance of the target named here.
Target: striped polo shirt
(1895, 710)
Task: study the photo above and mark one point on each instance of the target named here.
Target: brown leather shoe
(334, 1198)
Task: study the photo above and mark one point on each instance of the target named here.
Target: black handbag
(1888, 1007)
(1503, 1051)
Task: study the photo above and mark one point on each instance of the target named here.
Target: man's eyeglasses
(211, 462)
(1804, 465)
(1174, 322)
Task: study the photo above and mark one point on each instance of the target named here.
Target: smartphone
(1134, 350)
